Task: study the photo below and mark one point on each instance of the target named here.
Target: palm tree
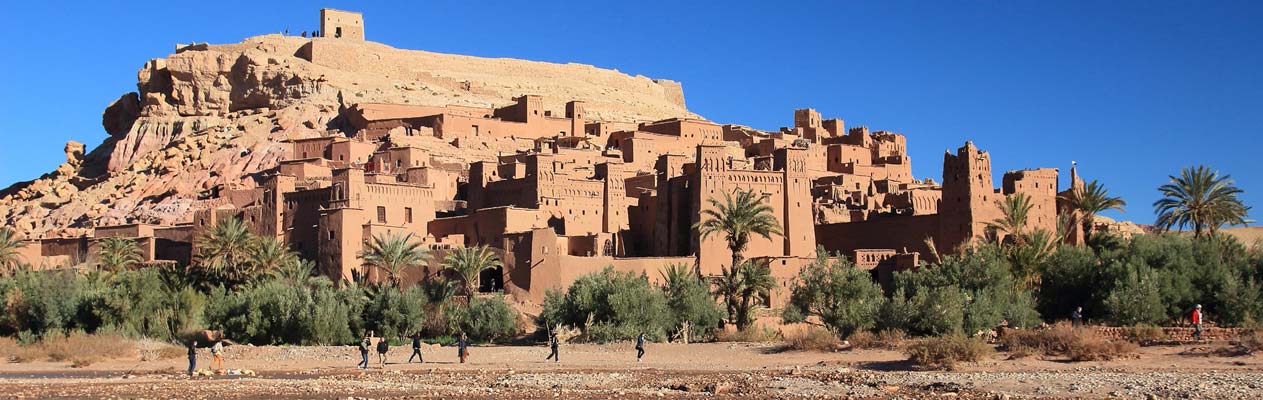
(469, 262)
(1026, 259)
(298, 273)
(116, 254)
(677, 275)
(224, 252)
(269, 256)
(1088, 201)
(1016, 209)
(1200, 198)
(740, 216)
(9, 244)
(756, 280)
(393, 255)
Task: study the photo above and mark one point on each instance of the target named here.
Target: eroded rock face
(216, 115)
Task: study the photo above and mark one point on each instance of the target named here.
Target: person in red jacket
(1196, 317)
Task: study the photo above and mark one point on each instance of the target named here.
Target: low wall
(1174, 334)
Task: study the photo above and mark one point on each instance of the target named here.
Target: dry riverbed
(723, 370)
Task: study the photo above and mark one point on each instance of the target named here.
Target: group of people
(462, 349)
(383, 347)
(217, 356)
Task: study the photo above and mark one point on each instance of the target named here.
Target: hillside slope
(214, 116)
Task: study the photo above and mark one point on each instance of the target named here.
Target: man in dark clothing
(364, 345)
(1076, 317)
(416, 349)
(192, 356)
(640, 346)
(554, 344)
(383, 345)
(462, 348)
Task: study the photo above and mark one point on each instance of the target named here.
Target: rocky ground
(721, 370)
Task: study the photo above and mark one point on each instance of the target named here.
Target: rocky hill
(214, 116)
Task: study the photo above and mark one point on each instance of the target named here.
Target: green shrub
(844, 297)
(814, 339)
(620, 306)
(966, 293)
(689, 300)
(484, 319)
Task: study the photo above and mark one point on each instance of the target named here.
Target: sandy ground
(726, 370)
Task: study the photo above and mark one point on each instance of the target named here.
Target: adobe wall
(898, 233)
(1040, 186)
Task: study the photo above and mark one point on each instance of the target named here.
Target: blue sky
(1133, 91)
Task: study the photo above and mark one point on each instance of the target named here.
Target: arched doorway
(491, 280)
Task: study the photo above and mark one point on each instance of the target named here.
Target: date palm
(270, 257)
(738, 218)
(1015, 210)
(469, 262)
(224, 253)
(1088, 201)
(1027, 259)
(756, 280)
(393, 255)
(297, 273)
(9, 245)
(1200, 198)
(116, 254)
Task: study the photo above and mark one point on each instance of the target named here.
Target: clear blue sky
(1132, 91)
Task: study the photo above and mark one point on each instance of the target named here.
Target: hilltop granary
(591, 193)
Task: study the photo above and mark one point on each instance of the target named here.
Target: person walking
(383, 345)
(462, 347)
(416, 349)
(554, 344)
(192, 357)
(1076, 317)
(640, 346)
(1196, 317)
(217, 355)
(364, 346)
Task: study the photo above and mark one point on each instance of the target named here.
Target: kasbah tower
(558, 184)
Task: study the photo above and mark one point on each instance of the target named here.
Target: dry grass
(79, 349)
(756, 333)
(151, 350)
(813, 338)
(1145, 335)
(889, 339)
(947, 352)
(1064, 340)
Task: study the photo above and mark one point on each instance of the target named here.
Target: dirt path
(610, 371)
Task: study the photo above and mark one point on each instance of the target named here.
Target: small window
(332, 235)
(407, 214)
(381, 214)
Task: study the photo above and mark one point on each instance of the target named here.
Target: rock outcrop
(216, 116)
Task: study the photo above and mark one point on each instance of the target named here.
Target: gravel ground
(714, 370)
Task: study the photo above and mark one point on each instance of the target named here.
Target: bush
(484, 319)
(889, 339)
(813, 338)
(1145, 334)
(1094, 348)
(969, 292)
(689, 300)
(1136, 298)
(619, 306)
(392, 313)
(79, 348)
(844, 297)
(753, 334)
(947, 351)
(1064, 340)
